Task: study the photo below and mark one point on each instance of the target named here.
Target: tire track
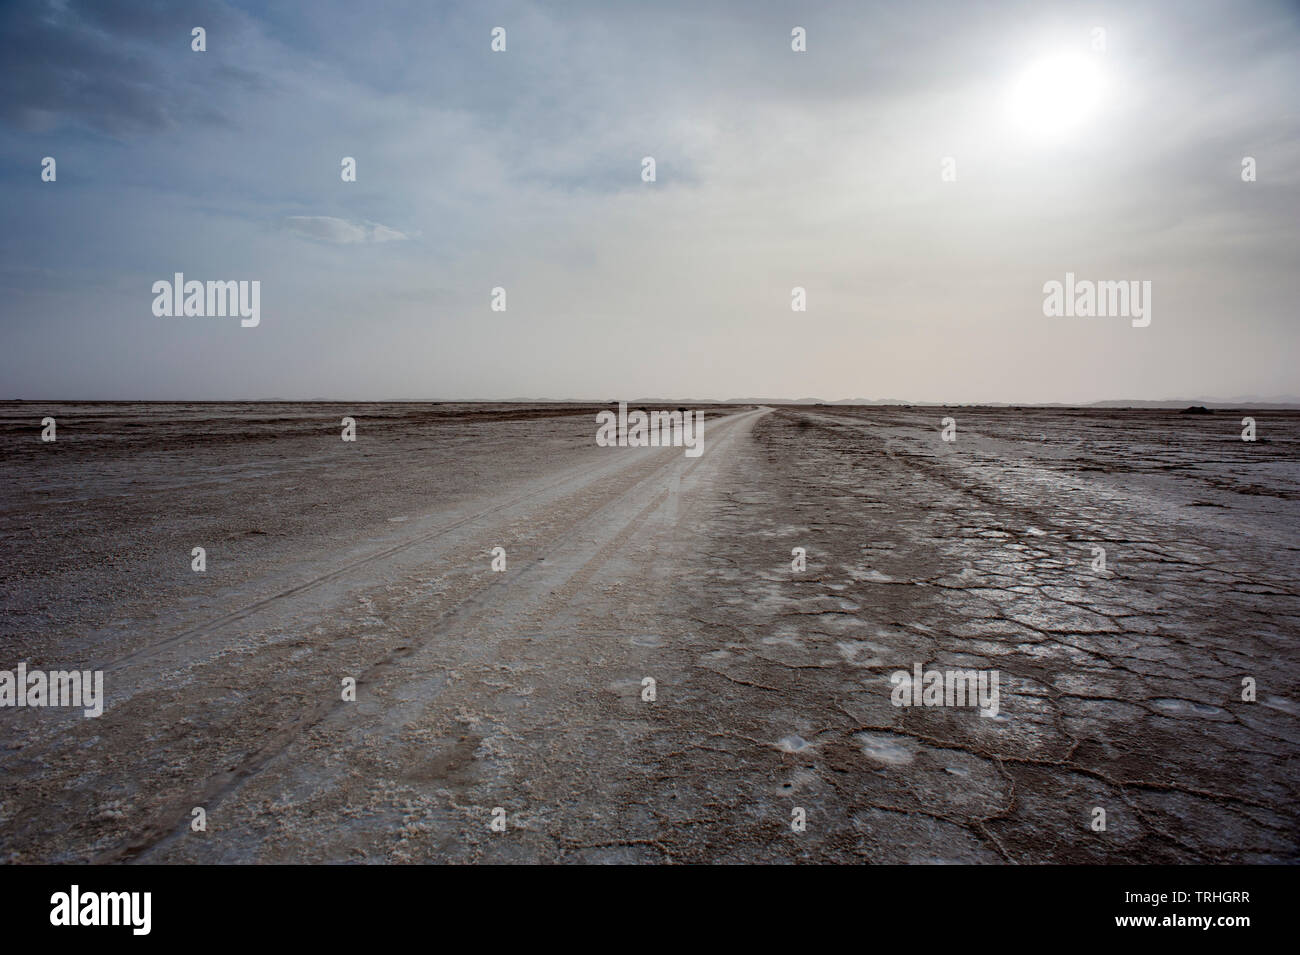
(168, 823)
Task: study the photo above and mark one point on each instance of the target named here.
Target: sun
(1056, 95)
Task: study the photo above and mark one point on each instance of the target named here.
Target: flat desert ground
(1120, 689)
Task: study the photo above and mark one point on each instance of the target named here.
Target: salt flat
(1121, 688)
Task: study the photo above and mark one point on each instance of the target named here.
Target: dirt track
(522, 689)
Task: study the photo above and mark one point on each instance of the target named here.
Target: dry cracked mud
(1119, 689)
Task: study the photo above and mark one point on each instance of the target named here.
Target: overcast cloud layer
(522, 169)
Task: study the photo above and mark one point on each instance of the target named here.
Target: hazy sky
(775, 169)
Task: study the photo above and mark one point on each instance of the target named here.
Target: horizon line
(1226, 403)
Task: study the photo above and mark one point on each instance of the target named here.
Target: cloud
(775, 169)
(121, 69)
(341, 231)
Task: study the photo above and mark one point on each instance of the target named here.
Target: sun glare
(1055, 96)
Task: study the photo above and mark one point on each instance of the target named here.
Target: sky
(921, 170)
